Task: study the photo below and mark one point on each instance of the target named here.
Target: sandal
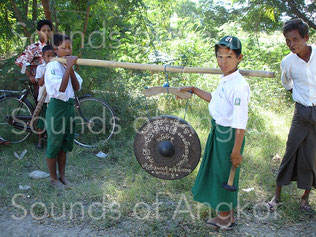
(218, 226)
(305, 207)
(272, 206)
(4, 142)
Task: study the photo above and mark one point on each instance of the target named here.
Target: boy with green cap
(228, 106)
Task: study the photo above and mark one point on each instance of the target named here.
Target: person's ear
(306, 37)
(240, 57)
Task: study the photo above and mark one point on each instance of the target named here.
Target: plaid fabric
(33, 55)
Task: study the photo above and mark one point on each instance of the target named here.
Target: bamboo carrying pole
(150, 67)
(162, 68)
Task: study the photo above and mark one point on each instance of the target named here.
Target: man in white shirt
(299, 77)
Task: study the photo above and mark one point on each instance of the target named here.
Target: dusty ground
(30, 227)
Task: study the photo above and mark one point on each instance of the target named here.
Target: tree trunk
(56, 21)
(299, 14)
(34, 9)
(85, 25)
(46, 9)
(18, 16)
(26, 9)
(84, 33)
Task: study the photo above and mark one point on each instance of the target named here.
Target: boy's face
(65, 49)
(48, 55)
(227, 60)
(295, 41)
(45, 33)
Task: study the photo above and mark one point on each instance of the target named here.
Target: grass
(115, 193)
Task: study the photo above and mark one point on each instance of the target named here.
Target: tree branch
(34, 8)
(27, 34)
(46, 9)
(299, 14)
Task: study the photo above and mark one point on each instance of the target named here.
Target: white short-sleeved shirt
(53, 78)
(40, 71)
(229, 103)
(301, 77)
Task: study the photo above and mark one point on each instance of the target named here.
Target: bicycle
(16, 114)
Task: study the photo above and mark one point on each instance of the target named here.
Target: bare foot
(57, 184)
(65, 182)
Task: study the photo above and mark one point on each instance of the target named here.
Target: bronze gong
(167, 147)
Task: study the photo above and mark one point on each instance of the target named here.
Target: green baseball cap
(231, 42)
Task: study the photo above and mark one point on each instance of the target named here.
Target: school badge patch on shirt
(237, 101)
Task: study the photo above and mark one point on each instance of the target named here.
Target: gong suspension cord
(186, 107)
(167, 83)
(147, 105)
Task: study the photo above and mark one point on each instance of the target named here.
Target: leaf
(270, 13)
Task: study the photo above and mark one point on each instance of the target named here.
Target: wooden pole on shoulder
(162, 68)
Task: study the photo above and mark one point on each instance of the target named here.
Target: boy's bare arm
(30, 76)
(71, 60)
(74, 80)
(236, 156)
(200, 93)
(41, 81)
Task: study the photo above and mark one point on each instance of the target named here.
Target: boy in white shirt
(61, 82)
(48, 53)
(299, 77)
(228, 106)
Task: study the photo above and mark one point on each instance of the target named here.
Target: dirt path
(30, 227)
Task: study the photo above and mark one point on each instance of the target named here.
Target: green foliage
(182, 33)
(267, 15)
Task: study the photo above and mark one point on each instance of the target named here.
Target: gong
(167, 147)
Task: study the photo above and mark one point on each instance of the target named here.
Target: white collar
(310, 58)
(231, 76)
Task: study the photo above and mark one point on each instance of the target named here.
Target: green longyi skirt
(215, 168)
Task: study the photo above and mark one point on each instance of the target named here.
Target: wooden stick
(160, 89)
(161, 68)
(38, 108)
(231, 176)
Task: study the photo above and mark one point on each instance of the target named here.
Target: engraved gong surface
(167, 147)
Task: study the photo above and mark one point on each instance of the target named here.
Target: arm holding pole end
(173, 90)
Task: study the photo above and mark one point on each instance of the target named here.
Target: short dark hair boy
(41, 23)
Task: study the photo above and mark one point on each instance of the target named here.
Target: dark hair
(296, 24)
(41, 23)
(47, 48)
(237, 51)
(59, 38)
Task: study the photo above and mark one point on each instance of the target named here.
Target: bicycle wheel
(14, 118)
(95, 122)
